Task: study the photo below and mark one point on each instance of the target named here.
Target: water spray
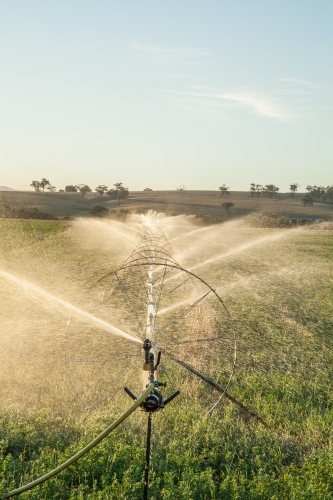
(152, 288)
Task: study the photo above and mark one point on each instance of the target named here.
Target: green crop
(279, 295)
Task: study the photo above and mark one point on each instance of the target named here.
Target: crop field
(276, 285)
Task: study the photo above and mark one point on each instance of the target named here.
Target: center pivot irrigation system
(169, 314)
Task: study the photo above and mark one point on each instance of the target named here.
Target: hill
(6, 188)
(207, 203)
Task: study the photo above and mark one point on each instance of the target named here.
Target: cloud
(260, 103)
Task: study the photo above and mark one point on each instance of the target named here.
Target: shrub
(121, 214)
(70, 189)
(99, 211)
(6, 211)
(267, 219)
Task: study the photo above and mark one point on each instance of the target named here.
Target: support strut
(146, 481)
(217, 387)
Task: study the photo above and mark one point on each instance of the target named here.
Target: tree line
(318, 193)
(314, 193)
(259, 189)
(118, 192)
(44, 183)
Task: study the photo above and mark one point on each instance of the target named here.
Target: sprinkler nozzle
(153, 402)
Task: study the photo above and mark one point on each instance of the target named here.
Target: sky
(164, 94)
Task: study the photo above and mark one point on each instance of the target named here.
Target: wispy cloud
(260, 103)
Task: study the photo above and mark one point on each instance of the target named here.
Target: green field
(277, 286)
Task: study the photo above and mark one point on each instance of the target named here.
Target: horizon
(93, 191)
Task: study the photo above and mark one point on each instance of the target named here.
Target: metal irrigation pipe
(84, 450)
(217, 387)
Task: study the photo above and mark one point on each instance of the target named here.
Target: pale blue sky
(158, 94)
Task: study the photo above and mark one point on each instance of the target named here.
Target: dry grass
(206, 203)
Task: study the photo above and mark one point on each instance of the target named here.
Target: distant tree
(227, 205)
(35, 185)
(44, 182)
(256, 189)
(83, 188)
(101, 189)
(99, 211)
(328, 194)
(182, 189)
(51, 188)
(224, 190)
(321, 192)
(119, 192)
(259, 189)
(61, 191)
(270, 189)
(70, 189)
(293, 188)
(147, 189)
(307, 200)
(317, 192)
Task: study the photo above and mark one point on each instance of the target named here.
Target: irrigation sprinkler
(161, 311)
(154, 401)
(152, 358)
(179, 318)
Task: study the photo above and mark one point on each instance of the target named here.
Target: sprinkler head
(153, 402)
(149, 364)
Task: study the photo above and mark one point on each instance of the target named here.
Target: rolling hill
(207, 203)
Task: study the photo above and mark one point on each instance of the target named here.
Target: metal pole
(146, 485)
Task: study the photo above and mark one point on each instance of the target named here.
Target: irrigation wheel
(150, 296)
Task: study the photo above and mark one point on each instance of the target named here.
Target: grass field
(277, 286)
(170, 202)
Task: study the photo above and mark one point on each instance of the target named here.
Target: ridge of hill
(6, 188)
(207, 203)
